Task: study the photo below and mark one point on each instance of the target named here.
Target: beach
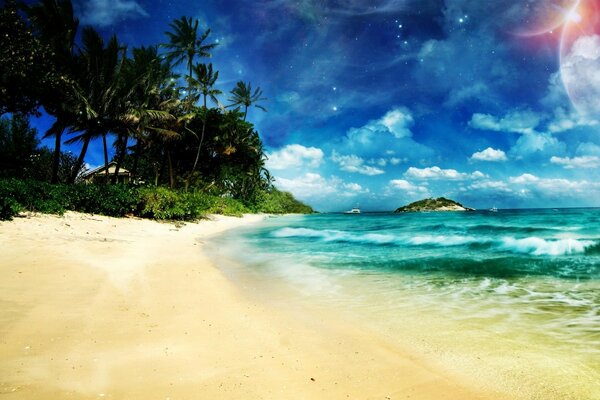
(97, 307)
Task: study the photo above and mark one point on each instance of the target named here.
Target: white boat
(355, 210)
(493, 209)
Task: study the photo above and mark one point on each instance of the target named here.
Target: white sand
(94, 307)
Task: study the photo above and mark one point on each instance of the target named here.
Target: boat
(493, 209)
(355, 210)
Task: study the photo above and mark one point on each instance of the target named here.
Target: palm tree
(185, 45)
(99, 77)
(204, 83)
(145, 79)
(242, 95)
(54, 22)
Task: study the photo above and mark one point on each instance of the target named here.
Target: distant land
(439, 204)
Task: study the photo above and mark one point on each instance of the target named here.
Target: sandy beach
(96, 307)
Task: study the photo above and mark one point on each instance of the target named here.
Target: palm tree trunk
(120, 159)
(136, 158)
(105, 158)
(199, 147)
(56, 156)
(79, 163)
(171, 176)
(245, 112)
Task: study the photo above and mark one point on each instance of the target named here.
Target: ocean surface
(511, 297)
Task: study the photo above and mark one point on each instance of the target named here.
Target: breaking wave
(532, 245)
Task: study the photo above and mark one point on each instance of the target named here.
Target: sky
(380, 103)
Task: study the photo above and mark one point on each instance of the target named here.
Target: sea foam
(528, 245)
(538, 246)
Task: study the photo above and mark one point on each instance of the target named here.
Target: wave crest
(529, 245)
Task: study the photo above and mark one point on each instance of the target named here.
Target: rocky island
(439, 204)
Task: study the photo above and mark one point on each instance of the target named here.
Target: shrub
(277, 202)
(149, 202)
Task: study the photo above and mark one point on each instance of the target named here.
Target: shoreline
(100, 307)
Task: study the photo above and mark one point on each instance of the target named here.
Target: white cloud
(294, 156)
(524, 178)
(306, 186)
(523, 122)
(540, 143)
(588, 148)
(353, 163)
(489, 154)
(409, 188)
(436, 173)
(396, 122)
(497, 186)
(312, 186)
(107, 12)
(577, 162)
(565, 121)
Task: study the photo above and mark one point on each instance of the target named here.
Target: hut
(98, 175)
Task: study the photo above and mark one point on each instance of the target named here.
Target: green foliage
(430, 205)
(120, 200)
(18, 145)
(26, 67)
(165, 134)
(277, 202)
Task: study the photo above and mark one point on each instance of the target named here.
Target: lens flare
(543, 17)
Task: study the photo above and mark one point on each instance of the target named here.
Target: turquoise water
(519, 288)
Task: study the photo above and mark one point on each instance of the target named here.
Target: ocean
(511, 298)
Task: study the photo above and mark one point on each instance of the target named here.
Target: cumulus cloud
(523, 122)
(353, 163)
(565, 121)
(311, 186)
(104, 13)
(396, 122)
(389, 134)
(524, 178)
(489, 154)
(295, 156)
(409, 188)
(577, 162)
(542, 144)
(436, 173)
(588, 148)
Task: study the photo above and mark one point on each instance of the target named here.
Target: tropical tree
(147, 100)
(98, 80)
(55, 24)
(26, 66)
(203, 83)
(185, 45)
(242, 94)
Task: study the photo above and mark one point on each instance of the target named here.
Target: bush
(277, 202)
(120, 200)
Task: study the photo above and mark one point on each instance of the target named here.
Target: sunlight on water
(513, 297)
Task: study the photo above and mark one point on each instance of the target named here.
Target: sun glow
(573, 16)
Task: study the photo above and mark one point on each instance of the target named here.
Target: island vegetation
(439, 204)
(189, 147)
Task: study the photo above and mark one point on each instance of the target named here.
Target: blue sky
(378, 103)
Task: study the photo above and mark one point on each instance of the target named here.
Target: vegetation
(188, 153)
(17, 195)
(439, 204)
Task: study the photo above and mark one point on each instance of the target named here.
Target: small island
(439, 204)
